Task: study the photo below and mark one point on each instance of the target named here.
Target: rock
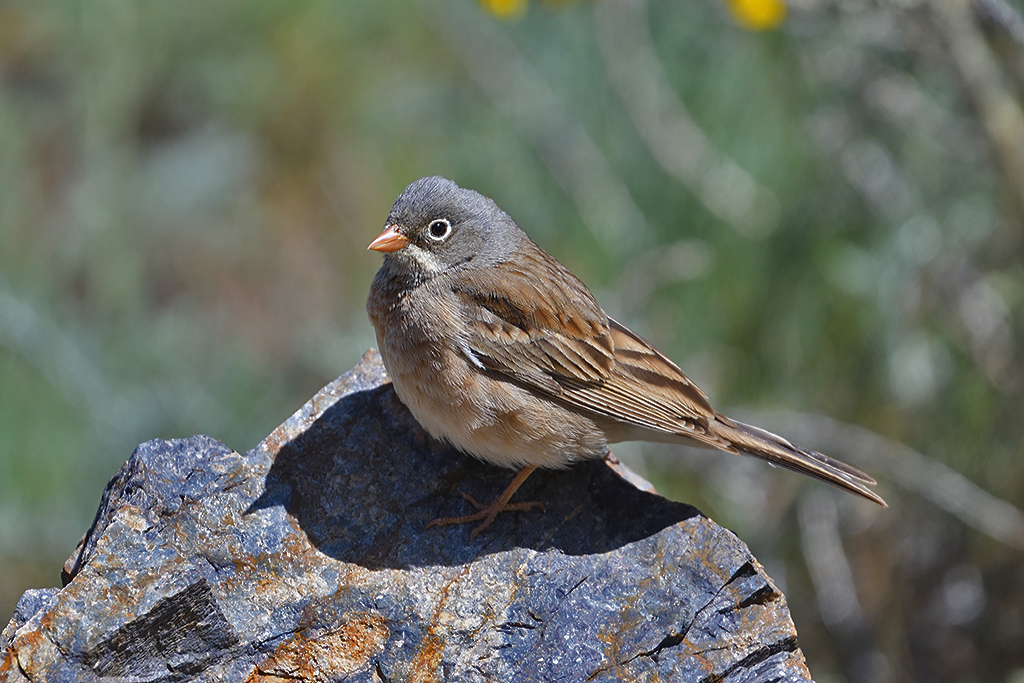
(307, 558)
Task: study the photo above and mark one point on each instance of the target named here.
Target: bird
(497, 349)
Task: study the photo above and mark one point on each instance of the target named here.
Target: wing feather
(535, 323)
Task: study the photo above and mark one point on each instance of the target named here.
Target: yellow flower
(505, 8)
(757, 15)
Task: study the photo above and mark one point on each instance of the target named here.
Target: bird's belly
(496, 421)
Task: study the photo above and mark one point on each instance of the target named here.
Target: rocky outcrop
(307, 559)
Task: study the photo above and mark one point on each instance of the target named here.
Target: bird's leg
(487, 513)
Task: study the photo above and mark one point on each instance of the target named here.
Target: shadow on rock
(363, 481)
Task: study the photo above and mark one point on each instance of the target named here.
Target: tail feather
(763, 444)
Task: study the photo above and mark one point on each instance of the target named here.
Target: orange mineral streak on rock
(424, 668)
(8, 663)
(326, 656)
(277, 438)
(21, 651)
(614, 657)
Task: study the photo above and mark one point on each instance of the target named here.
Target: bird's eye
(440, 229)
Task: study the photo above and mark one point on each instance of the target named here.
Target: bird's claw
(485, 514)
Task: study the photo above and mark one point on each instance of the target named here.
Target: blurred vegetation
(824, 219)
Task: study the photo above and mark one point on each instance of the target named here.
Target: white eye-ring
(439, 229)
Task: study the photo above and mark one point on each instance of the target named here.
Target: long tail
(762, 444)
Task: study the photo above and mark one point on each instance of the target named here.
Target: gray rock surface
(307, 559)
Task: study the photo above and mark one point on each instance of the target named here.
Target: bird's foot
(486, 513)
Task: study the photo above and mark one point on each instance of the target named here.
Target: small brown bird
(498, 349)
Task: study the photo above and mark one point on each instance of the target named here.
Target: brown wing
(647, 390)
(537, 324)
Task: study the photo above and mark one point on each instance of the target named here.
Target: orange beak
(389, 240)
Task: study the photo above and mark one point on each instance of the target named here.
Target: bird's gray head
(437, 226)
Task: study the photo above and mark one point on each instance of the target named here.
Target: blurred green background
(822, 223)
